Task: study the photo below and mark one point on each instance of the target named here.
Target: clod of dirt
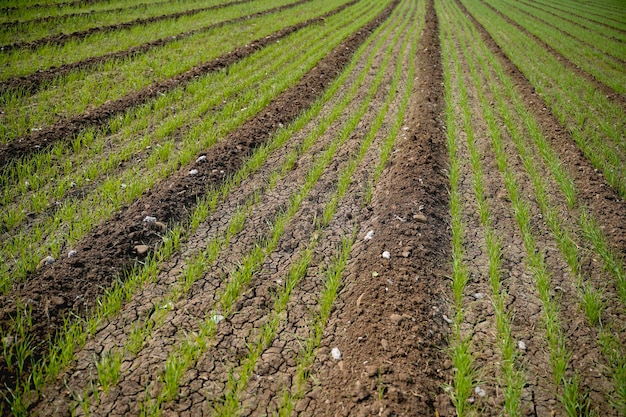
(149, 219)
(141, 249)
(193, 172)
(419, 217)
(335, 353)
(386, 255)
(396, 318)
(359, 300)
(161, 226)
(369, 235)
(360, 392)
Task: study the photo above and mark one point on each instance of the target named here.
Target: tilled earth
(383, 348)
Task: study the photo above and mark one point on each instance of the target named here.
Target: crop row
(258, 253)
(512, 121)
(321, 42)
(55, 176)
(38, 31)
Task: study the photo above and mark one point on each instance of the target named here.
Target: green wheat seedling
(250, 264)
(29, 31)
(298, 270)
(511, 378)
(109, 365)
(589, 115)
(74, 335)
(200, 137)
(601, 66)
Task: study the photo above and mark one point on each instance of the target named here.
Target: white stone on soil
(71, 253)
(149, 219)
(386, 254)
(369, 235)
(335, 353)
(479, 391)
(521, 345)
(193, 172)
(201, 158)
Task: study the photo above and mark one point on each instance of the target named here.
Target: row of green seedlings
(593, 300)
(196, 266)
(594, 38)
(76, 333)
(54, 11)
(61, 351)
(602, 13)
(228, 402)
(583, 19)
(595, 122)
(74, 93)
(333, 275)
(105, 45)
(27, 31)
(572, 400)
(600, 64)
(511, 378)
(167, 156)
(191, 348)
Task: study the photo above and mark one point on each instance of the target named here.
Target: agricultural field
(313, 207)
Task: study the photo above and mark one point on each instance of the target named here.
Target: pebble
(386, 254)
(396, 318)
(385, 344)
(419, 217)
(48, 260)
(71, 253)
(217, 318)
(149, 219)
(521, 345)
(201, 158)
(141, 249)
(479, 295)
(335, 353)
(193, 172)
(369, 235)
(479, 391)
(447, 319)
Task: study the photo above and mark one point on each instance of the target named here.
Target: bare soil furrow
(31, 83)
(108, 251)
(68, 127)
(608, 91)
(408, 366)
(65, 37)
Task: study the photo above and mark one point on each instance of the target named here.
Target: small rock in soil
(335, 353)
(358, 301)
(396, 318)
(446, 318)
(217, 318)
(201, 158)
(149, 219)
(385, 344)
(193, 172)
(479, 391)
(521, 345)
(48, 260)
(369, 235)
(479, 295)
(419, 217)
(142, 249)
(386, 255)
(71, 253)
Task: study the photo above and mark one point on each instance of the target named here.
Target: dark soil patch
(33, 82)
(392, 334)
(608, 91)
(592, 190)
(69, 127)
(73, 284)
(65, 37)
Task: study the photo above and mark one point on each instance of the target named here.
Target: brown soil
(72, 284)
(65, 37)
(31, 83)
(610, 93)
(390, 328)
(67, 128)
